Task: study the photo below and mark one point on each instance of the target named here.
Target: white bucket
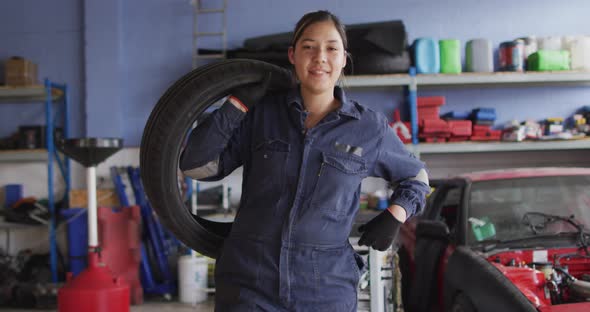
(192, 279)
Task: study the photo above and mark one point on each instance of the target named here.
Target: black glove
(380, 232)
(251, 94)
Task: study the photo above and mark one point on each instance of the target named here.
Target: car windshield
(512, 209)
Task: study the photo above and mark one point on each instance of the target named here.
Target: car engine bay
(547, 276)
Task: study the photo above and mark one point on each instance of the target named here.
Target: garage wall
(119, 56)
(462, 19)
(170, 39)
(50, 34)
(133, 50)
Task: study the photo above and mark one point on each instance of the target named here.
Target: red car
(509, 240)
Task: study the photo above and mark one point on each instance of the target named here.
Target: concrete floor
(150, 307)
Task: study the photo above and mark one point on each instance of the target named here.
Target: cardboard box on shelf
(19, 71)
(105, 198)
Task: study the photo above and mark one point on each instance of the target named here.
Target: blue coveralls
(288, 249)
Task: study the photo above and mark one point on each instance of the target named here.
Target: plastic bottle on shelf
(426, 56)
(511, 55)
(530, 45)
(479, 56)
(552, 43)
(450, 56)
(580, 53)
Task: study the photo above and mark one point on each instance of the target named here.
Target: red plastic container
(94, 290)
(120, 238)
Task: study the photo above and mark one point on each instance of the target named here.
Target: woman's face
(318, 57)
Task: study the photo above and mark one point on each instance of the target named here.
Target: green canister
(547, 60)
(482, 228)
(450, 56)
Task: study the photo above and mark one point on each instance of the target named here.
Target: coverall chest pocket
(267, 171)
(338, 179)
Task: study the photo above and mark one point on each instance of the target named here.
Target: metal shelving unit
(48, 94)
(27, 155)
(473, 79)
(413, 82)
(487, 147)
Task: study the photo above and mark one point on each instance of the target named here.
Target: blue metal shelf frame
(413, 101)
(64, 164)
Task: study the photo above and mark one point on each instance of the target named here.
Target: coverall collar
(347, 107)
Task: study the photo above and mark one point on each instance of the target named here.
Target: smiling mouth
(318, 72)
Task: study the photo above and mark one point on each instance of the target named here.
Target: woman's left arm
(398, 166)
(407, 176)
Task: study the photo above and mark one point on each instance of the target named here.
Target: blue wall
(50, 34)
(133, 50)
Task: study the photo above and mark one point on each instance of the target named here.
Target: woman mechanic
(304, 152)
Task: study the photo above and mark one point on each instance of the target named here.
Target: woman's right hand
(247, 96)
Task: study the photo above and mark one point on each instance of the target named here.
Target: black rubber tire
(379, 63)
(166, 130)
(485, 285)
(461, 303)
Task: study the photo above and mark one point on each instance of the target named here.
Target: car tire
(461, 303)
(164, 134)
(376, 62)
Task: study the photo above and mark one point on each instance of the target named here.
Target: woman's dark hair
(315, 17)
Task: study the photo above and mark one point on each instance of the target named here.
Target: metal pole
(92, 210)
(50, 199)
(413, 101)
(375, 264)
(66, 134)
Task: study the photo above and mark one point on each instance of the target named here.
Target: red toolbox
(481, 128)
(458, 138)
(434, 128)
(460, 128)
(435, 140)
(428, 113)
(491, 135)
(430, 101)
(428, 107)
